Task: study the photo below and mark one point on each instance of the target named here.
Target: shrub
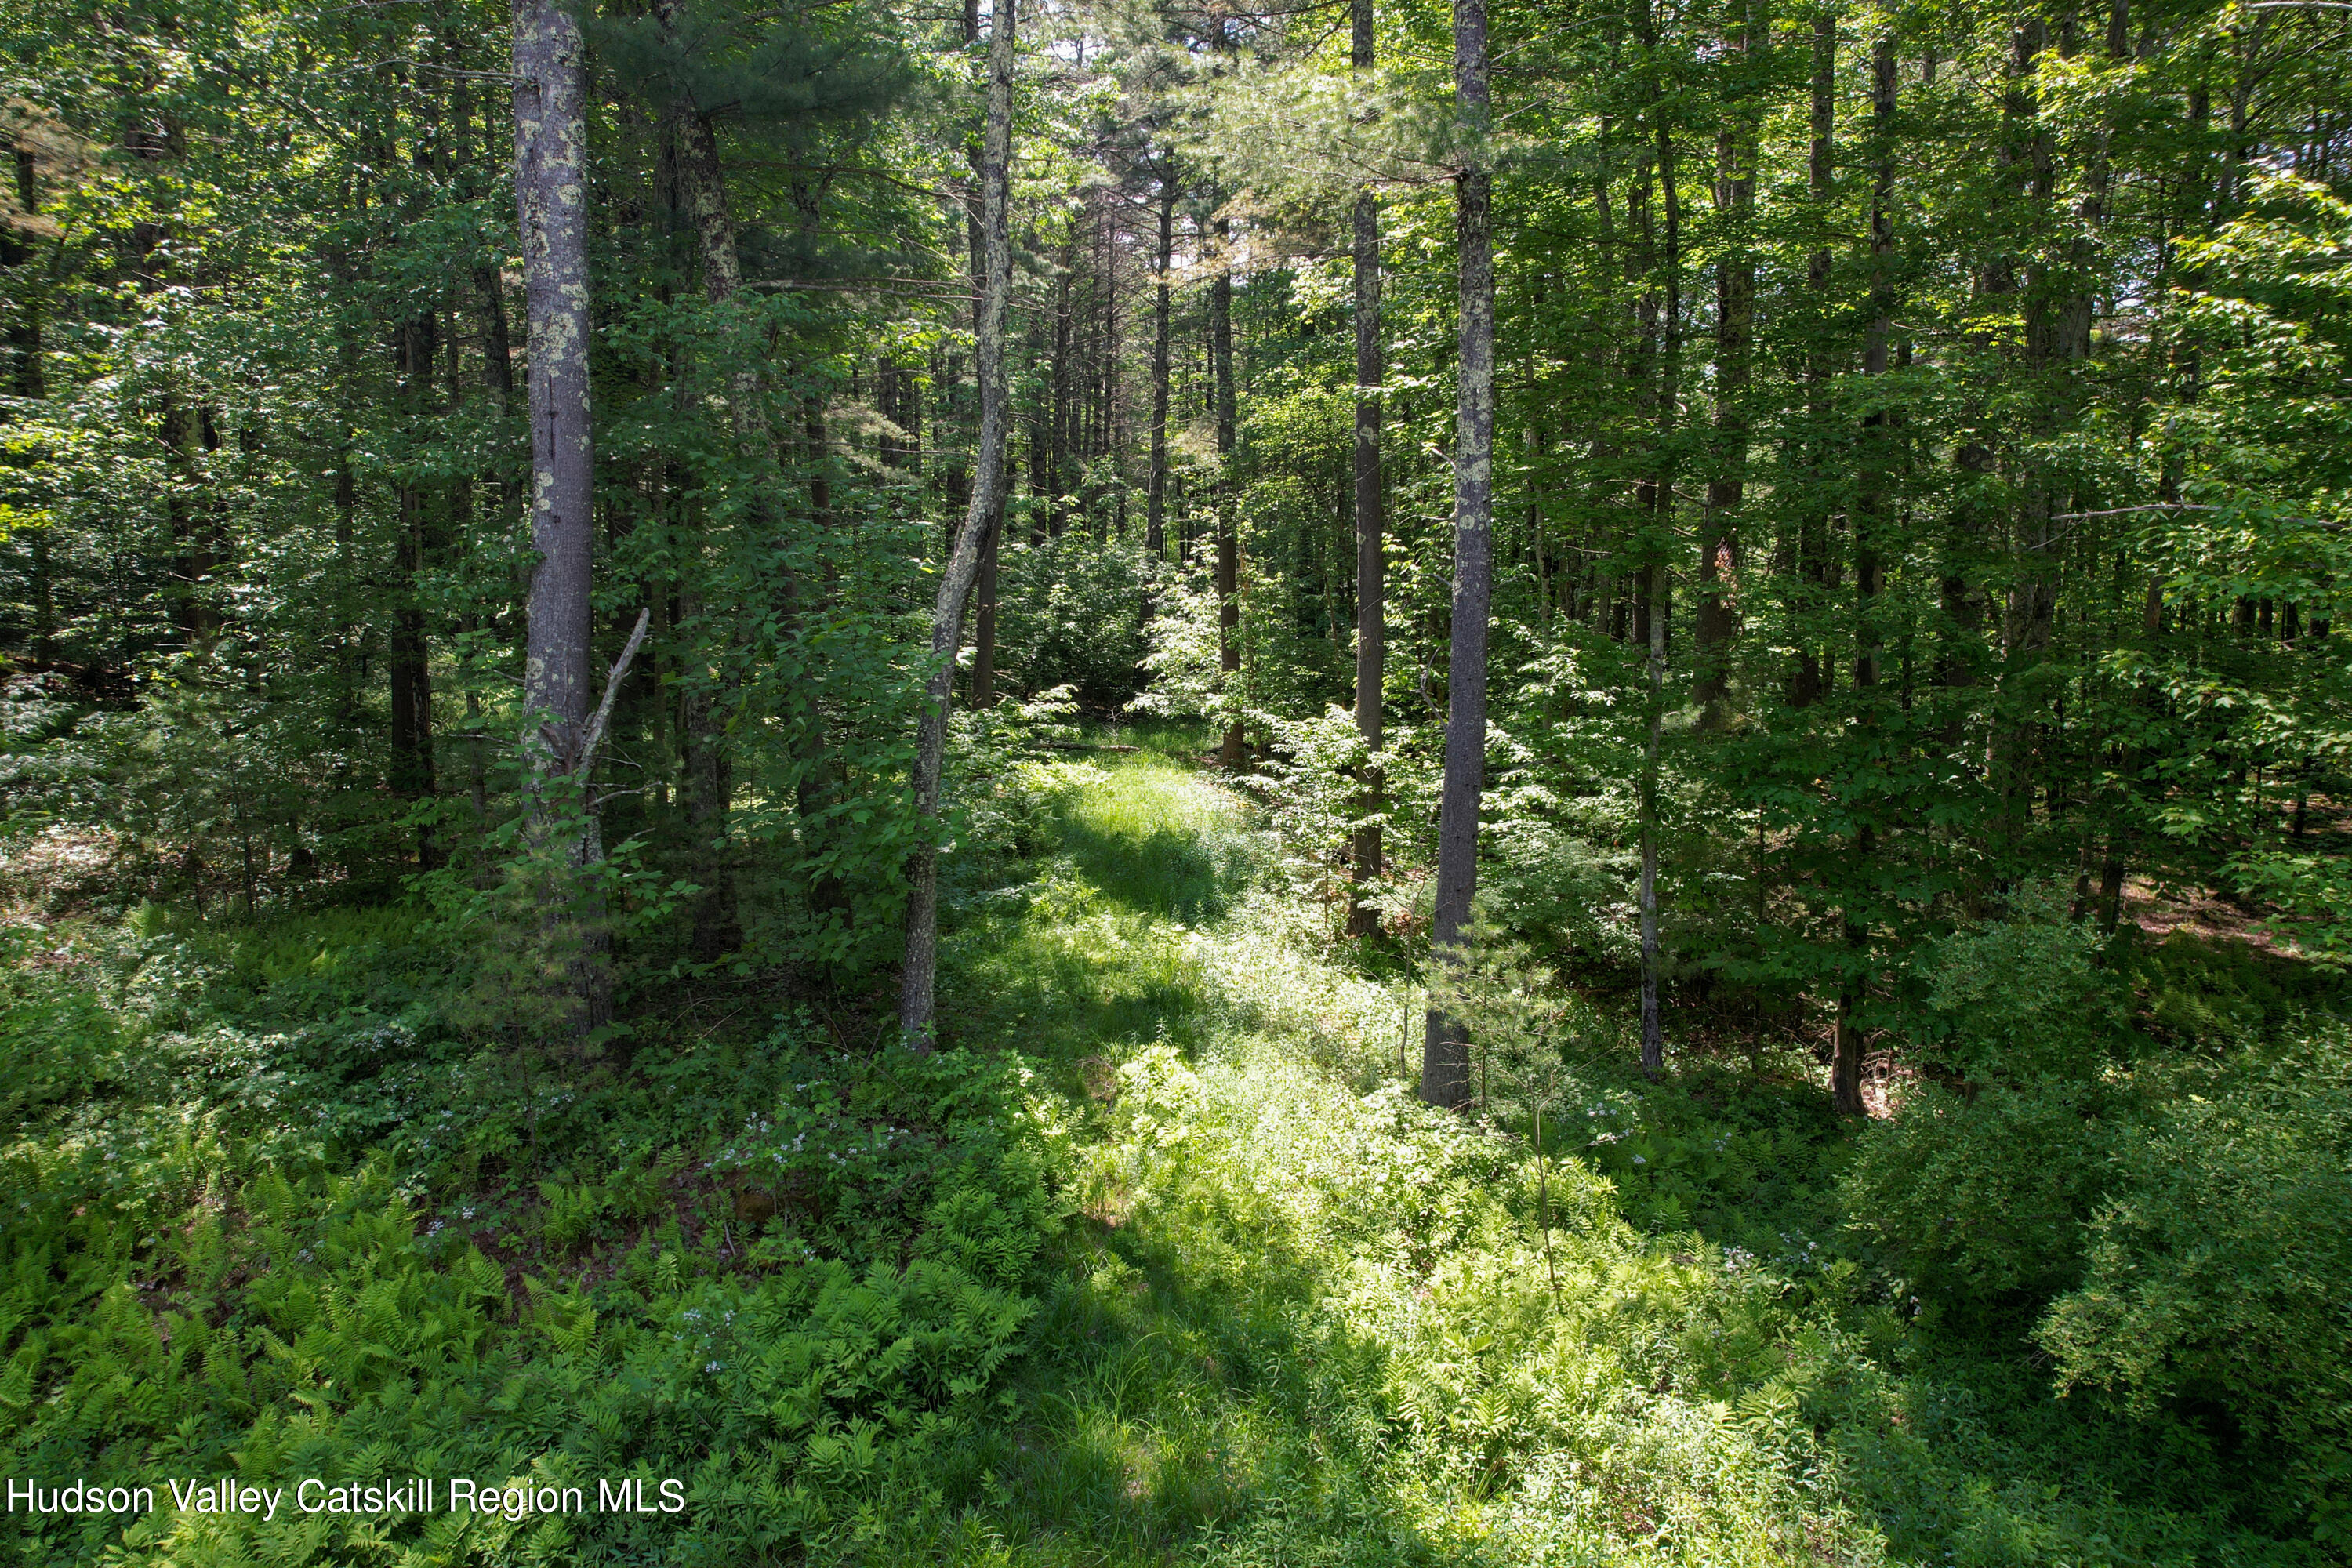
(2217, 1267)
(1980, 1194)
(2025, 998)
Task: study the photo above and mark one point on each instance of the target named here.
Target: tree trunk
(1653, 1038)
(709, 762)
(551, 196)
(984, 658)
(409, 668)
(1229, 548)
(1371, 369)
(1155, 504)
(1806, 682)
(552, 203)
(1869, 520)
(1446, 1050)
(1735, 311)
(916, 1017)
(1061, 379)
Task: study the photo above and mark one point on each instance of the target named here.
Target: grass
(1304, 1320)
(1288, 1315)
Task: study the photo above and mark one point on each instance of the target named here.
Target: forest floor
(1160, 1262)
(1302, 1320)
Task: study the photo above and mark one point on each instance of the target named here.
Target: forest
(1138, 782)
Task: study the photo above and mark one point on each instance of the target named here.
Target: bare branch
(587, 758)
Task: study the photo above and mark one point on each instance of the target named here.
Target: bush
(2218, 1266)
(1980, 1196)
(2025, 997)
(1068, 614)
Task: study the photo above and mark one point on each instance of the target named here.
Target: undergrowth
(1161, 1261)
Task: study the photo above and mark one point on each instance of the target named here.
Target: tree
(552, 203)
(1370, 511)
(915, 1002)
(1446, 1050)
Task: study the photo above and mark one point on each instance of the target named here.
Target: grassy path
(1303, 1321)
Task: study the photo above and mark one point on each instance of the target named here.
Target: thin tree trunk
(984, 658)
(709, 763)
(1371, 369)
(1059, 409)
(409, 668)
(1653, 1038)
(1155, 502)
(1846, 1049)
(1445, 1050)
(27, 380)
(1806, 682)
(1735, 310)
(917, 1017)
(1229, 548)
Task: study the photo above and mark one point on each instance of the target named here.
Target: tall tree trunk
(1735, 311)
(1060, 413)
(1869, 525)
(1371, 369)
(1806, 682)
(709, 762)
(1155, 502)
(409, 667)
(2026, 622)
(27, 380)
(551, 202)
(1654, 1037)
(1659, 313)
(983, 660)
(1229, 546)
(1445, 1047)
(551, 196)
(917, 1014)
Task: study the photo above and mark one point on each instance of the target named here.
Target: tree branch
(611, 688)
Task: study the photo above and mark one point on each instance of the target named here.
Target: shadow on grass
(1174, 1407)
(1172, 1403)
(1094, 955)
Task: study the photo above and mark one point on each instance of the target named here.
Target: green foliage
(1067, 617)
(306, 1228)
(1982, 1196)
(1187, 678)
(2023, 997)
(2216, 1267)
(62, 1046)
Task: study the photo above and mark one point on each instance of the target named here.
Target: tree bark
(984, 658)
(1229, 548)
(1446, 1050)
(1371, 369)
(1155, 504)
(552, 199)
(1653, 1038)
(917, 1010)
(709, 762)
(1869, 520)
(552, 203)
(1735, 310)
(1806, 682)
(409, 671)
